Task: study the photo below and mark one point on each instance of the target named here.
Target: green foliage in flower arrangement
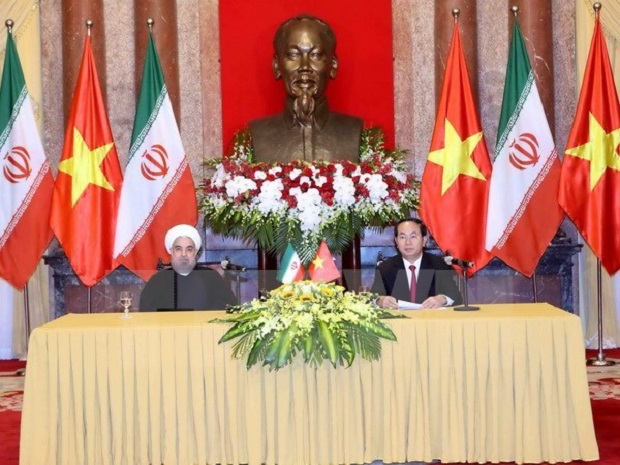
(317, 321)
(304, 203)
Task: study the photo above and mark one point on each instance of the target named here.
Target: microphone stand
(237, 275)
(238, 286)
(465, 307)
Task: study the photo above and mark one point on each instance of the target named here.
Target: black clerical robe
(199, 290)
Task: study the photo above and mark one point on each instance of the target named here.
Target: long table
(506, 383)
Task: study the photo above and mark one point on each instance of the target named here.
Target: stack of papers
(405, 305)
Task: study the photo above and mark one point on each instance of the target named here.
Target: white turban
(182, 230)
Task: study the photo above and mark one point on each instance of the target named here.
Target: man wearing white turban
(184, 287)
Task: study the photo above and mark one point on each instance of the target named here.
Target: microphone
(450, 260)
(226, 265)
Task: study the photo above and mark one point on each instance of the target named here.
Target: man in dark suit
(415, 275)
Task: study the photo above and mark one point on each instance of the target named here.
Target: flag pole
(534, 287)
(89, 26)
(88, 299)
(600, 360)
(22, 371)
(26, 314)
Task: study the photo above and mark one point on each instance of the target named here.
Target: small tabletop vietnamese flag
(323, 267)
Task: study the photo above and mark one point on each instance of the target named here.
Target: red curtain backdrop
(364, 85)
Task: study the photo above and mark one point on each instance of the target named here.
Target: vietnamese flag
(590, 178)
(455, 183)
(88, 184)
(323, 267)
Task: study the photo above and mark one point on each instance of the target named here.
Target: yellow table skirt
(507, 383)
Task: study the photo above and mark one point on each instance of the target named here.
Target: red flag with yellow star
(455, 183)
(590, 179)
(323, 267)
(88, 185)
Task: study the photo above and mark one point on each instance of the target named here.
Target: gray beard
(183, 266)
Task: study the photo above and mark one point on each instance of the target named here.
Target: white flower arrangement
(306, 203)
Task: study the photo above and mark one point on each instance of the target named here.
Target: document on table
(405, 305)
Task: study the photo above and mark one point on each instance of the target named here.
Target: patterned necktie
(412, 285)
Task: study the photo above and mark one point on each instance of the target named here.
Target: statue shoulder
(266, 122)
(348, 123)
(339, 138)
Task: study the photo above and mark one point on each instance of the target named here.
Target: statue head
(305, 60)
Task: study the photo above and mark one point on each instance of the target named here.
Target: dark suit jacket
(435, 277)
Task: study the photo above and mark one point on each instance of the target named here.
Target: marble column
(444, 26)
(536, 20)
(75, 13)
(164, 13)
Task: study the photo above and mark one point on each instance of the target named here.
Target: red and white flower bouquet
(305, 203)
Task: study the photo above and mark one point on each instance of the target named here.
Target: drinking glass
(126, 299)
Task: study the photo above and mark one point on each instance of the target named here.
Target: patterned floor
(11, 390)
(604, 382)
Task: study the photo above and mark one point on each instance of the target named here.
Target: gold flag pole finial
(515, 10)
(9, 25)
(89, 25)
(597, 8)
(456, 12)
(149, 23)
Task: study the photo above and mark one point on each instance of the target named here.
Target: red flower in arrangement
(311, 200)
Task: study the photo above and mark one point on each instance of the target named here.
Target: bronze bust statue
(305, 60)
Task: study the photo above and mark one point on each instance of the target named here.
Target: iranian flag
(26, 182)
(291, 268)
(523, 211)
(157, 174)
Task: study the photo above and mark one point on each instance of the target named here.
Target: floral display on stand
(319, 321)
(305, 203)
